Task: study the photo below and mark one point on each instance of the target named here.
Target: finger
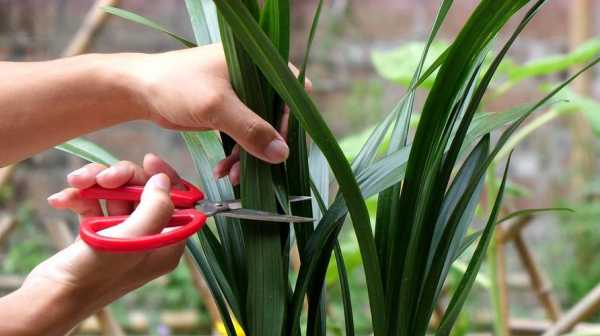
(152, 214)
(307, 82)
(283, 126)
(254, 134)
(224, 166)
(234, 173)
(121, 173)
(155, 165)
(70, 199)
(85, 176)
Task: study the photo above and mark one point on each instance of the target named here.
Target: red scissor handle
(182, 199)
(187, 221)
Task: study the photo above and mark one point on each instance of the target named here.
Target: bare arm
(42, 308)
(45, 103)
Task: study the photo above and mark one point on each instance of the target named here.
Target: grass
(428, 187)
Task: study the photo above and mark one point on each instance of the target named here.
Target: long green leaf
(460, 295)
(87, 150)
(345, 289)
(266, 293)
(198, 11)
(507, 134)
(213, 286)
(146, 22)
(555, 63)
(430, 290)
(420, 197)
(299, 184)
(276, 71)
(528, 212)
(206, 151)
(319, 191)
(388, 199)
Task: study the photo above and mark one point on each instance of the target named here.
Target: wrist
(116, 73)
(41, 308)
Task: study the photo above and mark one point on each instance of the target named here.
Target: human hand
(99, 277)
(190, 90)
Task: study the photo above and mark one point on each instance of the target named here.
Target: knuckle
(126, 166)
(207, 113)
(213, 100)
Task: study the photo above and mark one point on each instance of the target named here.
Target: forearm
(45, 103)
(41, 309)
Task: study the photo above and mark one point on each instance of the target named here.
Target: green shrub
(427, 188)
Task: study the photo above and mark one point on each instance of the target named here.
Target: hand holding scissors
(190, 217)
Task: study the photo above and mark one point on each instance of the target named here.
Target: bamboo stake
(7, 225)
(586, 307)
(539, 283)
(579, 31)
(5, 174)
(513, 228)
(108, 324)
(537, 327)
(92, 22)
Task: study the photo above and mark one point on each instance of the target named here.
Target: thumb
(153, 212)
(251, 132)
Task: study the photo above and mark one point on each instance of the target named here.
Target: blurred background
(362, 60)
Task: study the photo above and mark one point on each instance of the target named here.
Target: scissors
(192, 210)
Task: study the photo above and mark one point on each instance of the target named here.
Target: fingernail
(159, 181)
(54, 197)
(216, 173)
(77, 172)
(107, 172)
(277, 150)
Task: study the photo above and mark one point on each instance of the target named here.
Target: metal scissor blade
(299, 198)
(263, 216)
(237, 204)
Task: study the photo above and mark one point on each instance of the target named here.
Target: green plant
(510, 74)
(427, 191)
